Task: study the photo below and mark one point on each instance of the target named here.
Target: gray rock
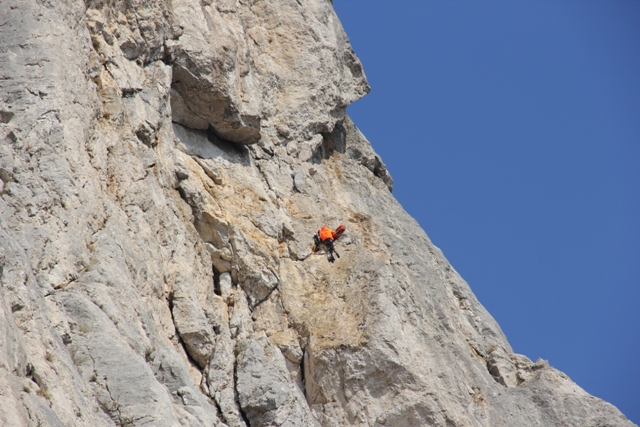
(225, 285)
(191, 322)
(169, 369)
(221, 381)
(163, 166)
(265, 392)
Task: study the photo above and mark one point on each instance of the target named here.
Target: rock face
(163, 165)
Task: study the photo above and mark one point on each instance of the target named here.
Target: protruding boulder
(265, 392)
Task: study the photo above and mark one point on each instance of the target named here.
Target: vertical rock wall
(162, 168)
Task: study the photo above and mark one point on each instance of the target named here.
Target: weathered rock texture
(163, 166)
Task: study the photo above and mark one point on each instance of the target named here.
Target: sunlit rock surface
(163, 166)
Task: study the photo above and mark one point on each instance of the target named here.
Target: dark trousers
(328, 244)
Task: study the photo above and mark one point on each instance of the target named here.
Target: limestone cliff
(163, 166)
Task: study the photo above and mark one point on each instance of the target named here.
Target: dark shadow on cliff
(207, 145)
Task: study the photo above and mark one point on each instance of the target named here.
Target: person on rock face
(325, 238)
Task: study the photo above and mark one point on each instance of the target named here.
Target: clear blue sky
(512, 130)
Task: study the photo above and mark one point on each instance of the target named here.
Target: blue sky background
(512, 131)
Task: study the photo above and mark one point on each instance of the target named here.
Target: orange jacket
(326, 233)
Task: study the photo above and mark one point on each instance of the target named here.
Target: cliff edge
(163, 166)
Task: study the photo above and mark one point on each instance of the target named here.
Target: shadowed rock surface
(163, 166)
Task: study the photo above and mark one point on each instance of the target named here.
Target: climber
(325, 237)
